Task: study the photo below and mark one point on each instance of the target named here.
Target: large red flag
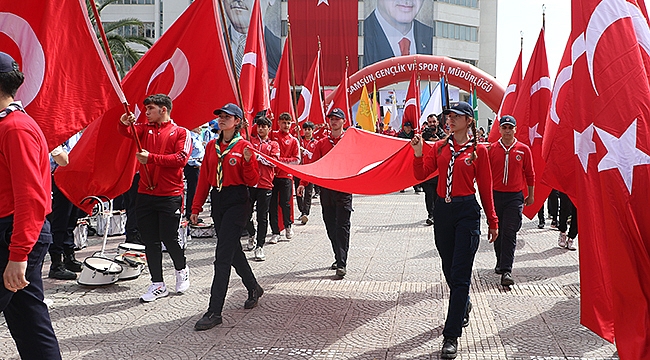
(254, 78)
(509, 99)
(68, 81)
(335, 23)
(103, 162)
(310, 104)
(596, 147)
(341, 100)
(281, 99)
(412, 104)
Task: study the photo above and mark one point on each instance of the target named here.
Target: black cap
(507, 120)
(7, 63)
(337, 112)
(408, 123)
(461, 108)
(230, 109)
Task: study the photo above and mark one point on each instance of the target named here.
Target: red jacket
(307, 147)
(164, 164)
(267, 170)
(465, 173)
(26, 186)
(520, 167)
(236, 171)
(289, 151)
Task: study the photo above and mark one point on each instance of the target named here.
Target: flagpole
(544, 17)
(232, 65)
(293, 75)
(107, 50)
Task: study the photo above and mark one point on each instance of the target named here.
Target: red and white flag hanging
(310, 103)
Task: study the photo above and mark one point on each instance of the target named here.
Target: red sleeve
(529, 169)
(203, 185)
(275, 150)
(182, 147)
(250, 169)
(484, 182)
(125, 130)
(293, 155)
(424, 166)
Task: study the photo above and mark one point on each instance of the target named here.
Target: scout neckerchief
(14, 106)
(505, 168)
(220, 157)
(329, 137)
(450, 169)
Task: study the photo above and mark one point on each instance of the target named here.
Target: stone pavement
(391, 305)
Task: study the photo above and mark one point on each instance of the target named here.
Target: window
(467, 3)
(455, 31)
(135, 2)
(147, 30)
(284, 28)
(360, 28)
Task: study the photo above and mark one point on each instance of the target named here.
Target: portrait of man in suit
(238, 13)
(391, 30)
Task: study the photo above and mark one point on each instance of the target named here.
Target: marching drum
(129, 247)
(99, 271)
(202, 230)
(132, 265)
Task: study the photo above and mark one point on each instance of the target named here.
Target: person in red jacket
(307, 146)
(283, 182)
(165, 150)
(512, 170)
(25, 200)
(461, 161)
(261, 193)
(229, 169)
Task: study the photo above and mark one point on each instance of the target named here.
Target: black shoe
(341, 271)
(541, 224)
(466, 317)
(208, 321)
(253, 296)
(334, 266)
(506, 279)
(497, 270)
(449, 348)
(71, 263)
(429, 221)
(554, 224)
(59, 272)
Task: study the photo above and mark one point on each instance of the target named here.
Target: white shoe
(251, 243)
(155, 291)
(561, 241)
(569, 244)
(274, 239)
(288, 232)
(259, 254)
(182, 280)
(303, 219)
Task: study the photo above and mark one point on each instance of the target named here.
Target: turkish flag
(509, 99)
(412, 105)
(596, 148)
(335, 23)
(341, 100)
(254, 78)
(103, 161)
(68, 81)
(310, 103)
(281, 98)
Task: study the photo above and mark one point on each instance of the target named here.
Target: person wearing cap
(461, 161)
(511, 162)
(165, 151)
(407, 131)
(282, 195)
(24, 231)
(229, 169)
(211, 132)
(336, 205)
(307, 145)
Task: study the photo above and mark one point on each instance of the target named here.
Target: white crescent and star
(584, 145)
(533, 134)
(306, 97)
(326, 2)
(509, 90)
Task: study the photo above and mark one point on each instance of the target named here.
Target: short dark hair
(263, 120)
(285, 116)
(11, 81)
(160, 100)
(308, 125)
(432, 116)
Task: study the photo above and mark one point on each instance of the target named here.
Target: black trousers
(192, 178)
(567, 208)
(430, 195)
(337, 208)
(130, 197)
(281, 193)
(553, 204)
(63, 220)
(158, 220)
(509, 207)
(26, 314)
(263, 199)
(457, 232)
(304, 202)
(230, 212)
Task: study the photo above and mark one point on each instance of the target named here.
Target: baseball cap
(507, 120)
(461, 108)
(338, 113)
(7, 63)
(408, 123)
(230, 109)
(214, 124)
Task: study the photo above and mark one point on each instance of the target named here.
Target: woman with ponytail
(460, 161)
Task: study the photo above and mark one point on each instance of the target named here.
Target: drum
(202, 231)
(116, 224)
(99, 271)
(136, 248)
(80, 234)
(132, 265)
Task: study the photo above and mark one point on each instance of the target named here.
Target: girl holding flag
(461, 160)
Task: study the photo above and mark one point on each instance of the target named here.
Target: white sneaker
(561, 241)
(303, 219)
(251, 243)
(569, 244)
(274, 239)
(155, 291)
(288, 232)
(259, 254)
(182, 280)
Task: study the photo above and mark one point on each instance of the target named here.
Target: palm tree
(119, 41)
